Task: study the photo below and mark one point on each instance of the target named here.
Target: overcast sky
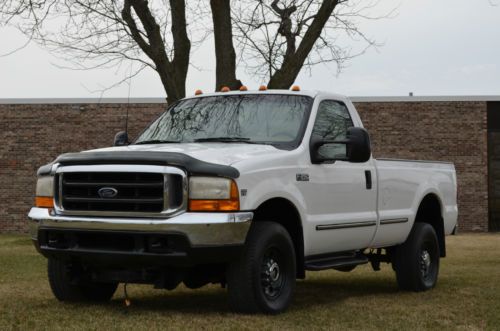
(444, 47)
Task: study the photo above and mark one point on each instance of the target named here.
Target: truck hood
(218, 153)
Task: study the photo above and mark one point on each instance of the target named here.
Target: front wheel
(263, 278)
(66, 285)
(416, 261)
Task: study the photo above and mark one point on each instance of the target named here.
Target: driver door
(342, 196)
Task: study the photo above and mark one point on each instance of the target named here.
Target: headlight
(45, 192)
(213, 194)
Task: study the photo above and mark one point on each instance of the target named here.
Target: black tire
(416, 261)
(67, 287)
(262, 280)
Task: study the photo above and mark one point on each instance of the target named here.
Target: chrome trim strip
(166, 193)
(54, 169)
(121, 168)
(185, 218)
(345, 225)
(393, 221)
(58, 198)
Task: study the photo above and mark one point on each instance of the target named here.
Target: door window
(332, 122)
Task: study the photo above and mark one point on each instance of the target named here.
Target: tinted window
(332, 122)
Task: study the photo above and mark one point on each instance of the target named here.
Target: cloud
(477, 69)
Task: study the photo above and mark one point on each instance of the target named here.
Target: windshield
(267, 119)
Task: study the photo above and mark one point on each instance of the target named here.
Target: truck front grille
(124, 192)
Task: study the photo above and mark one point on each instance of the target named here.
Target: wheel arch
(285, 213)
(430, 210)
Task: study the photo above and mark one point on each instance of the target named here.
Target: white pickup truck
(247, 189)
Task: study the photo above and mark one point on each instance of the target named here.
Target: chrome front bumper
(201, 229)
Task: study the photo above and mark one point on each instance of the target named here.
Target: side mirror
(121, 139)
(358, 147)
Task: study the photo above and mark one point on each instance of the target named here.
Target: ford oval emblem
(107, 192)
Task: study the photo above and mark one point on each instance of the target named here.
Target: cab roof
(309, 93)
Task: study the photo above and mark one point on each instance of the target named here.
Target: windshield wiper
(157, 141)
(225, 140)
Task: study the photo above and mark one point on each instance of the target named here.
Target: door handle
(368, 179)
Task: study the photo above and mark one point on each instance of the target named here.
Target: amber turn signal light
(198, 92)
(225, 89)
(263, 88)
(44, 202)
(243, 88)
(296, 88)
(213, 205)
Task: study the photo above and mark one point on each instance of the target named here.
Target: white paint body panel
(402, 186)
(336, 193)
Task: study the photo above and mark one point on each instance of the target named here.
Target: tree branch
(293, 62)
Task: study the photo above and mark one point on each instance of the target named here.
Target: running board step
(329, 262)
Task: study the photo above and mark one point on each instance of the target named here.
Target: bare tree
(275, 38)
(105, 33)
(278, 38)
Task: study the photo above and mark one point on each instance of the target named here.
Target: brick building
(464, 130)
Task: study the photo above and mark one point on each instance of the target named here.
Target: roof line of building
(436, 98)
(14, 101)
(427, 98)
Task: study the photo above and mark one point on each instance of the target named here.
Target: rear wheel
(66, 285)
(263, 279)
(416, 262)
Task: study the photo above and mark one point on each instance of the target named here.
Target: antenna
(128, 98)
(121, 138)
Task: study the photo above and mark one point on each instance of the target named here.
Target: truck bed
(401, 186)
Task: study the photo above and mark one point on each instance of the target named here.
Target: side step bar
(323, 262)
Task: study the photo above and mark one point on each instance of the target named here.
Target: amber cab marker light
(44, 202)
(296, 88)
(231, 204)
(198, 92)
(263, 88)
(225, 89)
(243, 88)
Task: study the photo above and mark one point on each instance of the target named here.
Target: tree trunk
(224, 49)
(284, 77)
(182, 47)
(172, 73)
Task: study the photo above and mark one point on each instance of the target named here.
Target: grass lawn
(467, 297)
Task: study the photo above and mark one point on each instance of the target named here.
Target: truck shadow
(333, 292)
(309, 293)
